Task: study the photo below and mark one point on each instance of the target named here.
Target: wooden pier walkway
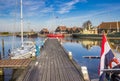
(53, 65)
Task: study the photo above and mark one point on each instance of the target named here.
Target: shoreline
(74, 36)
(97, 38)
(94, 36)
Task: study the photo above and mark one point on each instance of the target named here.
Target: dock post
(85, 73)
(61, 42)
(1, 71)
(2, 49)
(70, 55)
(33, 56)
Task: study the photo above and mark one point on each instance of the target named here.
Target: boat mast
(21, 25)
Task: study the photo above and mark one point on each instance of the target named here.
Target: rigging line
(14, 26)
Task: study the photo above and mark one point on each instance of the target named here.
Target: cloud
(30, 7)
(33, 5)
(33, 8)
(47, 9)
(66, 7)
(7, 4)
(107, 5)
(37, 8)
(8, 7)
(98, 15)
(106, 8)
(34, 2)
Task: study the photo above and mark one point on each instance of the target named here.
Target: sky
(38, 14)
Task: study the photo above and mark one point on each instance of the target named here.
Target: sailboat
(27, 48)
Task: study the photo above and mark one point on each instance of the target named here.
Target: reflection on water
(89, 43)
(11, 74)
(86, 47)
(78, 47)
(7, 75)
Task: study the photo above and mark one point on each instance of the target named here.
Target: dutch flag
(105, 57)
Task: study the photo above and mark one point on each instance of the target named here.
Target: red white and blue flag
(105, 57)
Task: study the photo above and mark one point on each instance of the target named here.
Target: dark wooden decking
(53, 65)
(14, 63)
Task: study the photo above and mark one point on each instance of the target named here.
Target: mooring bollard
(70, 55)
(61, 43)
(33, 56)
(85, 73)
(45, 39)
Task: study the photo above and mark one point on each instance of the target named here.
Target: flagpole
(117, 27)
(108, 42)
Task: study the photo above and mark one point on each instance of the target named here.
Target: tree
(87, 25)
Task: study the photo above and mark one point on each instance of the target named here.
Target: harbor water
(78, 47)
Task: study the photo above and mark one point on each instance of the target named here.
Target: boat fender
(113, 60)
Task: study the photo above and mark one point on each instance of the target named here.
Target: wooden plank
(49, 69)
(66, 71)
(41, 67)
(13, 63)
(45, 68)
(57, 68)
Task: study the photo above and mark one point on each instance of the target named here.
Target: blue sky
(49, 14)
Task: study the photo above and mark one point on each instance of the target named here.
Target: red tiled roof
(109, 25)
(62, 27)
(45, 30)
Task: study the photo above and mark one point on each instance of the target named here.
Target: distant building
(73, 30)
(91, 31)
(61, 29)
(109, 27)
(76, 29)
(44, 31)
(68, 30)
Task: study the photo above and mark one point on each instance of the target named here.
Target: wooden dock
(53, 65)
(14, 63)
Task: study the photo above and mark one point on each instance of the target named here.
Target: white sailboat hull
(27, 51)
(23, 55)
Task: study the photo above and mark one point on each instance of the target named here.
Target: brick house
(76, 30)
(73, 30)
(61, 29)
(109, 27)
(44, 31)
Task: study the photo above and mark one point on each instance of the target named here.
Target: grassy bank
(96, 36)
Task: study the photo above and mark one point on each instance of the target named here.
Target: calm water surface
(87, 47)
(78, 47)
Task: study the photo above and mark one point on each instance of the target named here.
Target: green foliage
(86, 24)
(4, 33)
